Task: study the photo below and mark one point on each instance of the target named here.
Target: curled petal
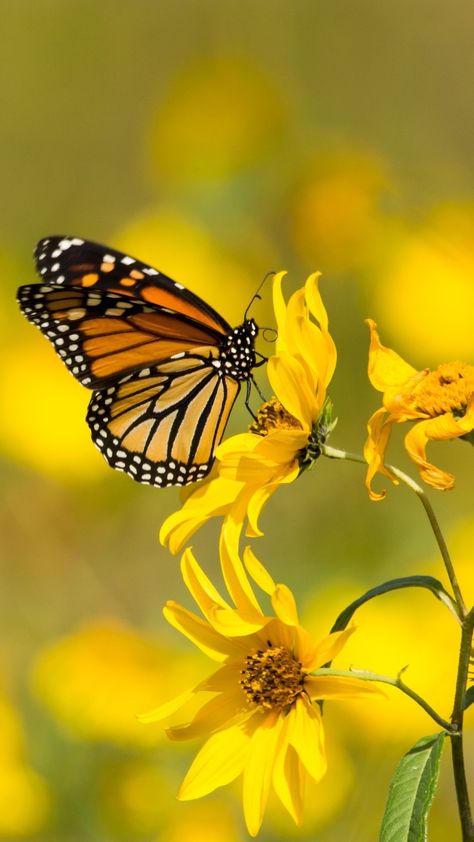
(443, 427)
(210, 498)
(379, 429)
(260, 496)
(386, 367)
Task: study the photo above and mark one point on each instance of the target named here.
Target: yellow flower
(257, 708)
(285, 437)
(443, 400)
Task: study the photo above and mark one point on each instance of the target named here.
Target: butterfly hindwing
(162, 425)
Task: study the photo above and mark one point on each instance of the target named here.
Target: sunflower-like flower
(257, 709)
(286, 435)
(442, 401)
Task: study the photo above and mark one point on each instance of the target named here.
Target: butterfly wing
(162, 424)
(101, 336)
(165, 367)
(70, 261)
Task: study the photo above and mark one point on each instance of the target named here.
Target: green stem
(335, 453)
(393, 682)
(467, 621)
(457, 747)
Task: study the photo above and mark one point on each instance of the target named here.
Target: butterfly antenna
(257, 296)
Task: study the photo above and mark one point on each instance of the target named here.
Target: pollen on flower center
(447, 389)
(272, 678)
(272, 417)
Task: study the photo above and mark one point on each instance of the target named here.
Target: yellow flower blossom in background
(238, 117)
(428, 267)
(284, 438)
(442, 401)
(335, 216)
(256, 709)
(96, 679)
(24, 796)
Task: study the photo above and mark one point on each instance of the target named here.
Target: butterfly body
(164, 367)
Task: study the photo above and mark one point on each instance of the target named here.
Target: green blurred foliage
(218, 141)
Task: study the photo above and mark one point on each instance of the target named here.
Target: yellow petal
(233, 571)
(258, 770)
(306, 735)
(289, 383)
(386, 367)
(211, 498)
(168, 708)
(281, 448)
(199, 585)
(279, 308)
(339, 687)
(443, 427)
(284, 605)
(178, 528)
(326, 649)
(219, 762)
(213, 645)
(314, 300)
(237, 623)
(289, 779)
(260, 496)
(379, 428)
(212, 716)
(236, 445)
(258, 572)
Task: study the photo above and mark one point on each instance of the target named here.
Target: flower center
(447, 389)
(272, 678)
(272, 417)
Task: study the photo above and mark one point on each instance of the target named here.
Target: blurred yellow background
(218, 141)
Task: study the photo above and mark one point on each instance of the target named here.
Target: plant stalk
(335, 453)
(457, 746)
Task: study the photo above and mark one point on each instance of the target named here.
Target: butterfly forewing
(100, 335)
(165, 367)
(75, 262)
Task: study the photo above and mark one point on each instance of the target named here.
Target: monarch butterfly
(165, 368)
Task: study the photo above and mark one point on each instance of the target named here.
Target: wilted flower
(286, 435)
(442, 401)
(256, 709)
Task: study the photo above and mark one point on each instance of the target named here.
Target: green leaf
(468, 437)
(411, 792)
(433, 585)
(468, 697)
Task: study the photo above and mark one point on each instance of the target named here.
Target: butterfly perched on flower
(164, 367)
